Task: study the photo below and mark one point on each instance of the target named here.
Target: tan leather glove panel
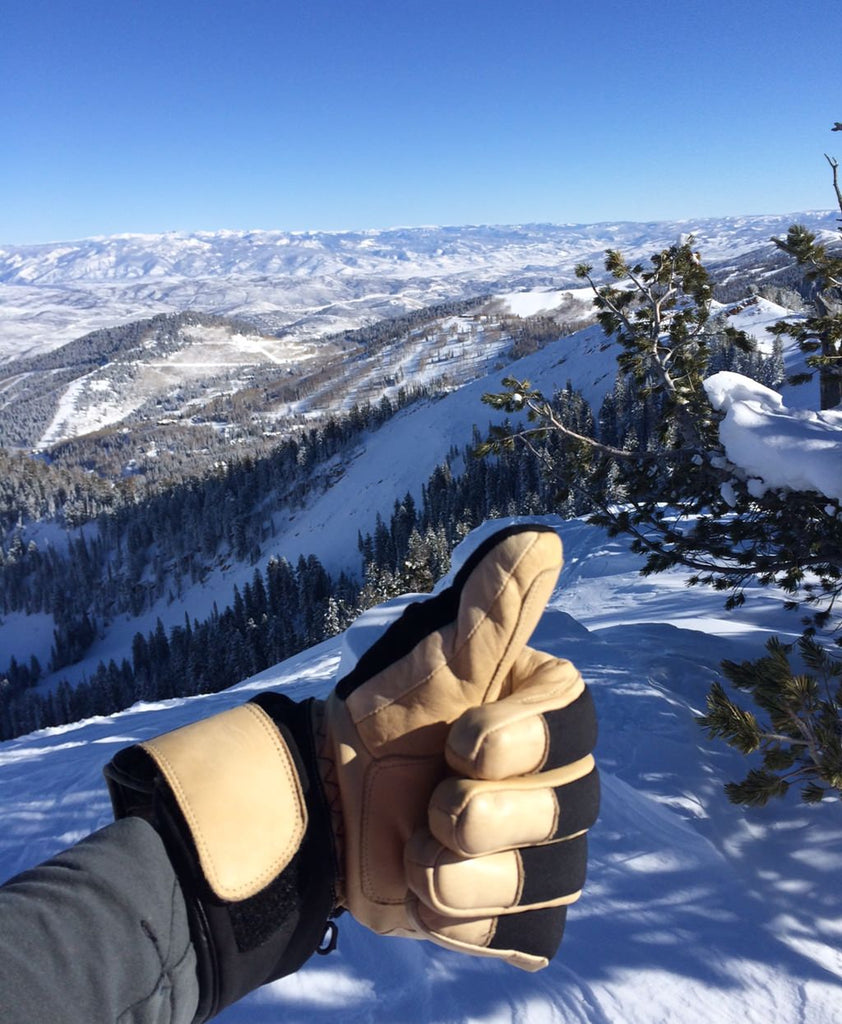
(462, 761)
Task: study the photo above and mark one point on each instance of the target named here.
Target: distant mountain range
(309, 284)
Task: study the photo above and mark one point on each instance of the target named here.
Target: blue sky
(146, 116)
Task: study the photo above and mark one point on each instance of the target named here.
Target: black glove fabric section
(243, 944)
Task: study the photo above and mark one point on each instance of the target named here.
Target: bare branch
(834, 166)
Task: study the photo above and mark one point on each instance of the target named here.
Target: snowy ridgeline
(317, 282)
(695, 910)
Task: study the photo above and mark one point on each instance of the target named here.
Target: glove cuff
(329, 779)
(238, 802)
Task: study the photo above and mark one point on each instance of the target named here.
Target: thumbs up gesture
(458, 765)
(442, 791)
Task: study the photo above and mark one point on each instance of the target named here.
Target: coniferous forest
(124, 560)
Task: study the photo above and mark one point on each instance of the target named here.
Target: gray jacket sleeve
(98, 934)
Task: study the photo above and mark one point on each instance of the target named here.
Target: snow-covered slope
(695, 911)
(186, 370)
(385, 465)
(316, 282)
(110, 393)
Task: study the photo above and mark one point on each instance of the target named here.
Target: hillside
(198, 384)
(342, 497)
(694, 911)
(180, 557)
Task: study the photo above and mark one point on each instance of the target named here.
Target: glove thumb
(455, 650)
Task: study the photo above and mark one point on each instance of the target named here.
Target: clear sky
(155, 115)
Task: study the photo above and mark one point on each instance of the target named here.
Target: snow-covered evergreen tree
(657, 452)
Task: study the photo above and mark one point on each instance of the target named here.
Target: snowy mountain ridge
(194, 380)
(311, 253)
(318, 282)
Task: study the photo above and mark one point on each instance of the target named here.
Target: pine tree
(819, 336)
(684, 504)
(338, 616)
(799, 729)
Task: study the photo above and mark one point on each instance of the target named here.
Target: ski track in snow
(695, 911)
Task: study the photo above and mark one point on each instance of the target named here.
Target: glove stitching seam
(521, 878)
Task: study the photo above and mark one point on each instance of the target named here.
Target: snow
(755, 317)
(533, 302)
(776, 446)
(102, 398)
(695, 910)
(24, 635)
(86, 405)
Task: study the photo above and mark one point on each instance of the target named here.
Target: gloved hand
(441, 792)
(463, 765)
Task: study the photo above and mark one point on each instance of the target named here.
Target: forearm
(99, 933)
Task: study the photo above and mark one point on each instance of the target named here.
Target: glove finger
(528, 940)
(473, 817)
(547, 720)
(499, 883)
(454, 650)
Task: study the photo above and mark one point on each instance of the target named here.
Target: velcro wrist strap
(236, 799)
(234, 781)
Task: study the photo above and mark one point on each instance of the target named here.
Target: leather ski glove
(463, 764)
(442, 791)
